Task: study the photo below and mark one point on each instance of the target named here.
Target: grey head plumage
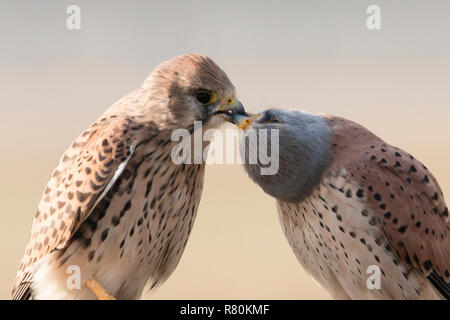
(303, 151)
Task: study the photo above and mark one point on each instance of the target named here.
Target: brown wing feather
(405, 197)
(75, 186)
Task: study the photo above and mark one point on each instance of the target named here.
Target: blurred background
(315, 55)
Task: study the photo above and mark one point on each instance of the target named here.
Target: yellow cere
(244, 124)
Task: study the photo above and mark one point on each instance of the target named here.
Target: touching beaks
(242, 121)
(229, 111)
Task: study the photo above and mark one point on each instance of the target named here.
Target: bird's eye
(268, 117)
(205, 97)
(273, 120)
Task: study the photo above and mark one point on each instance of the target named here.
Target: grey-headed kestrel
(350, 205)
(117, 207)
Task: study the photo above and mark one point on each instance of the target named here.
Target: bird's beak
(228, 111)
(242, 121)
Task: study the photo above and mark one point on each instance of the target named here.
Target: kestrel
(350, 203)
(117, 207)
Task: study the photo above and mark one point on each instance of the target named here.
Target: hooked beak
(228, 111)
(242, 121)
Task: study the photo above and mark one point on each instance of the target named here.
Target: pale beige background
(314, 55)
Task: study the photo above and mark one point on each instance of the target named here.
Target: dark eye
(204, 97)
(273, 120)
(269, 118)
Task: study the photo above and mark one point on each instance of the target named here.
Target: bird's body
(363, 204)
(117, 209)
(137, 232)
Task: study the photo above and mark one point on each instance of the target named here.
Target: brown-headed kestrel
(350, 203)
(117, 207)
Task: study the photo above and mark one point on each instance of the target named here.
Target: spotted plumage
(117, 206)
(353, 201)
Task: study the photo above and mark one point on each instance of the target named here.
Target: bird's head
(191, 88)
(300, 143)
